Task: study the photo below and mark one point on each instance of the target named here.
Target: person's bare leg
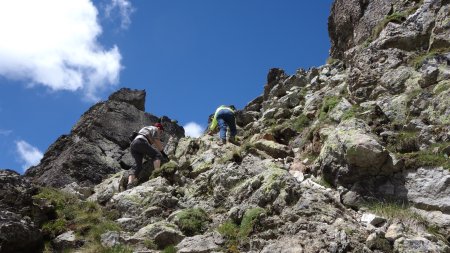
(131, 179)
(156, 164)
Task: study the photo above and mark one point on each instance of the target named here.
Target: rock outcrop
(19, 217)
(98, 144)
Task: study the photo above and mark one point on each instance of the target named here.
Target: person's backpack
(133, 136)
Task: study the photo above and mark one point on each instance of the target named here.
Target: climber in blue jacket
(224, 117)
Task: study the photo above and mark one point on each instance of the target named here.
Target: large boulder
(98, 144)
(351, 153)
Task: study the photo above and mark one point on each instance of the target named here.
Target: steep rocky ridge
(98, 144)
(351, 156)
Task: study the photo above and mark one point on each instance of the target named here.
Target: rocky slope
(98, 144)
(352, 156)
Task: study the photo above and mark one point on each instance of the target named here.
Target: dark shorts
(139, 149)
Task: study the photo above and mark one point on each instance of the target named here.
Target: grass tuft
(399, 211)
(192, 221)
(237, 234)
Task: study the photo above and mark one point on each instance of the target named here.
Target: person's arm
(158, 145)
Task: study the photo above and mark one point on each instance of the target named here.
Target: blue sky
(57, 58)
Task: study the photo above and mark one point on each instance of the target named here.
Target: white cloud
(193, 129)
(54, 43)
(5, 132)
(29, 155)
(125, 10)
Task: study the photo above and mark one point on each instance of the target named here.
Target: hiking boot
(222, 142)
(132, 185)
(234, 141)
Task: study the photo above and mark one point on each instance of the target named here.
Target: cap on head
(159, 126)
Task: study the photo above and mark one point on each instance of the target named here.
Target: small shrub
(427, 158)
(353, 112)
(407, 142)
(236, 234)
(396, 17)
(327, 105)
(300, 122)
(54, 228)
(192, 221)
(248, 221)
(117, 249)
(170, 249)
(229, 230)
(150, 244)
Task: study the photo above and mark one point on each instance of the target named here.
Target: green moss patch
(166, 170)
(192, 221)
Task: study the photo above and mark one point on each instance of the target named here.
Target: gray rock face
(418, 244)
(98, 144)
(200, 243)
(18, 234)
(19, 217)
(66, 241)
(162, 233)
(351, 22)
(375, 37)
(429, 188)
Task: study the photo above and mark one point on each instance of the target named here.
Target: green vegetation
(353, 112)
(97, 248)
(170, 249)
(427, 157)
(166, 170)
(236, 234)
(150, 244)
(420, 59)
(396, 210)
(437, 231)
(331, 60)
(248, 221)
(327, 105)
(300, 122)
(323, 182)
(303, 91)
(87, 219)
(192, 221)
(441, 87)
(405, 142)
(396, 17)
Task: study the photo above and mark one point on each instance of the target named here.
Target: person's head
(159, 126)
